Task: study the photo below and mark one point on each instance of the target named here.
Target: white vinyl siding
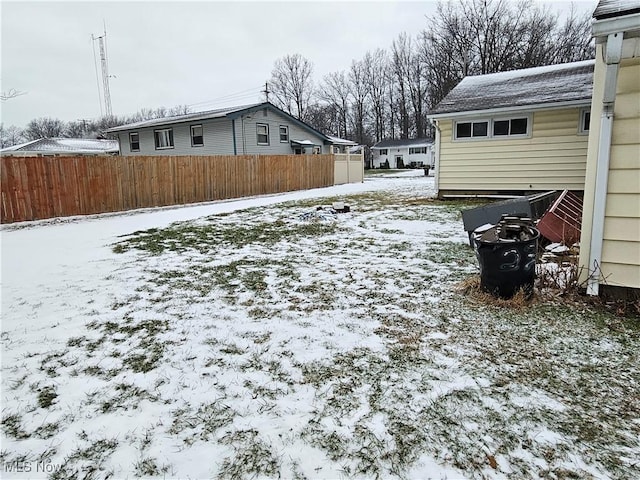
(553, 157)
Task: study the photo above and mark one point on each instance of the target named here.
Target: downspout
(612, 55)
(233, 130)
(436, 166)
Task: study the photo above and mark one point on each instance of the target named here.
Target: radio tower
(106, 95)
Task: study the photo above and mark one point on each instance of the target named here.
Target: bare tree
(11, 93)
(335, 91)
(44, 128)
(291, 84)
(401, 57)
(10, 136)
(376, 66)
(359, 94)
(485, 36)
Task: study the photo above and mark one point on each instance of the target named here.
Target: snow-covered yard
(263, 338)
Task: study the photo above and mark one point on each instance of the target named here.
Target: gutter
(612, 55)
(585, 102)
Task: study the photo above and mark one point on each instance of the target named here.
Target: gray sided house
(515, 132)
(258, 129)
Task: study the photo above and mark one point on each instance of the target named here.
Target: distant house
(258, 129)
(63, 146)
(416, 152)
(340, 145)
(515, 132)
(610, 241)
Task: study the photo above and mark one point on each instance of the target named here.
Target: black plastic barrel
(507, 266)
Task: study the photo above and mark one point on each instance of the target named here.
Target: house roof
(517, 89)
(615, 8)
(228, 112)
(65, 145)
(340, 141)
(390, 143)
(189, 117)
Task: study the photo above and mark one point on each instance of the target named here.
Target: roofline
(624, 23)
(518, 108)
(232, 114)
(418, 144)
(193, 117)
(260, 106)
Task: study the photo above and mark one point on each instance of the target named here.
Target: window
(472, 129)
(512, 126)
(316, 150)
(197, 136)
(493, 128)
(134, 142)
(164, 138)
(417, 150)
(384, 151)
(262, 132)
(585, 121)
(284, 133)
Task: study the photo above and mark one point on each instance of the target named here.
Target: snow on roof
(340, 141)
(66, 145)
(413, 142)
(616, 8)
(566, 82)
(304, 142)
(188, 117)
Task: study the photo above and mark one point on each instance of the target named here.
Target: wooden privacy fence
(44, 187)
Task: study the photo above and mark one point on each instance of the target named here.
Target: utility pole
(266, 91)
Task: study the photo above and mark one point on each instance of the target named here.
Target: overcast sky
(175, 53)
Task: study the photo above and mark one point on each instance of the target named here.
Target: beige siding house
(610, 242)
(515, 132)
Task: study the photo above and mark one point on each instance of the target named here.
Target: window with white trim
(163, 138)
(284, 133)
(585, 121)
(262, 133)
(134, 142)
(417, 150)
(197, 136)
(384, 151)
(499, 127)
(479, 128)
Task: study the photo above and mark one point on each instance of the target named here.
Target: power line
(251, 92)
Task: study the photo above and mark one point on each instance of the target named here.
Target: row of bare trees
(388, 93)
(47, 127)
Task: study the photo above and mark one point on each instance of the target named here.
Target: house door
(399, 161)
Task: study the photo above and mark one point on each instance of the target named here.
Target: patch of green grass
(202, 423)
(12, 426)
(252, 456)
(47, 396)
(87, 462)
(208, 239)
